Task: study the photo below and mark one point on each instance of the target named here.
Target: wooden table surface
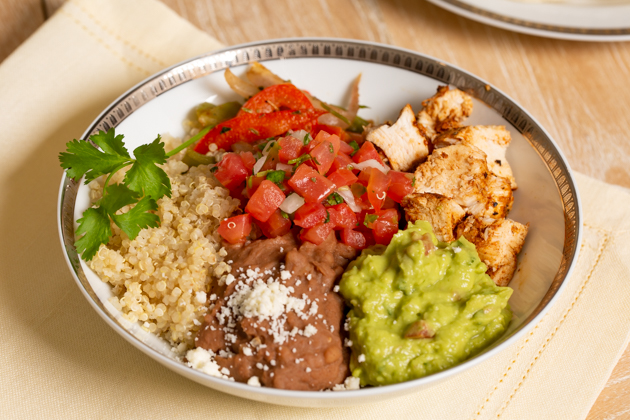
(577, 90)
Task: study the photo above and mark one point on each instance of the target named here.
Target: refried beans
(276, 316)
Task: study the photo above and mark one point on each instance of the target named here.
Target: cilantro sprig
(144, 183)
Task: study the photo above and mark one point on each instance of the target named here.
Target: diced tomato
(252, 184)
(340, 132)
(290, 148)
(235, 229)
(341, 161)
(342, 177)
(346, 148)
(364, 177)
(312, 186)
(325, 152)
(248, 160)
(251, 127)
(367, 152)
(342, 216)
(265, 201)
(317, 234)
(274, 98)
(385, 226)
(400, 184)
(309, 215)
(377, 188)
(353, 238)
(276, 225)
(231, 171)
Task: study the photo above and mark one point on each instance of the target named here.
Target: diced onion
(346, 194)
(370, 163)
(300, 134)
(292, 203)
(268, 146)
(259, 164)
(283, 167)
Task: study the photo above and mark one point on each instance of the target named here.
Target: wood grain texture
(18, 20)
(576, 90)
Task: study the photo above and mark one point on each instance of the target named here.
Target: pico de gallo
(290, 171)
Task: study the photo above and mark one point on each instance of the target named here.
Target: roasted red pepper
(252, 127)
(276, 98)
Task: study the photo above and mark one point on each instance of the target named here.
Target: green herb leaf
(96, 230)
(138, 218)
(331, 149)
(247, 109)
(82, 158)
(116, 197)
(334, 198)
(276, 177)
(145, 177)
(307, 139)
(327, 217)
(284, 214)
(369, 219)
(225, 130)
(299, 160)
(253, 130)
(355, 146)
(363, 106)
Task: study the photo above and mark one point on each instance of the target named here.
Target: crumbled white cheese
(310, 330)
(201, 297)
(308, 370)
(336, 288)
(203, 360)
(247, 351)
(229, 279)
(456, 249)
(253, 381)
(285, 275)
(348, 342)
(361, 358)
(349, 384)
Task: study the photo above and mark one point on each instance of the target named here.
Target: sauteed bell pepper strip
(276, 98)
(251, 127)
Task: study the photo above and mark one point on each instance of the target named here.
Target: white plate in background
(606, 21)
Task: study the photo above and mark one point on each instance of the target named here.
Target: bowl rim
(286, 48)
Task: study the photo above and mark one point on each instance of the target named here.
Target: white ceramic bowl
(392, 77)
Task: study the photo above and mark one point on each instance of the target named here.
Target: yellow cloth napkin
(58, 359)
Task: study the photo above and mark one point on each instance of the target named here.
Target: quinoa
(161, 278)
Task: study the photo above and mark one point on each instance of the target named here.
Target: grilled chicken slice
(492, 139)
(498, 245)
(460, 172)
(403, 144)
(443, 111)
(443, 213)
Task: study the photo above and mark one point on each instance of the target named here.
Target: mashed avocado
(419, 307)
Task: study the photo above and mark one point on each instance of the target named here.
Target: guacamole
(419, 307)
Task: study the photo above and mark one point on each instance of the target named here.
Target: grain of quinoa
(161, 277)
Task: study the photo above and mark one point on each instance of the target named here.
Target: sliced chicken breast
(492, 139)
(498, 245)
(443, 111)
(443, 213)
(403, 144)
